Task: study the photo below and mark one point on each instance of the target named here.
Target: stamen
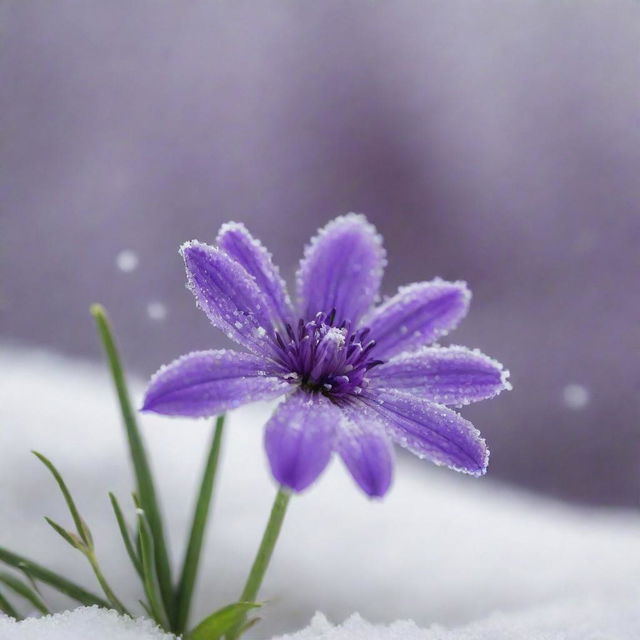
(292, 336)
(322, 357)
(369, 346)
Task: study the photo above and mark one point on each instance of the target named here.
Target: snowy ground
(441, 548)
(89, 623)
(570, 620)
(585, 620)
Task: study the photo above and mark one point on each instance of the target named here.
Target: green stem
(144, 479)
(108, 591)
(265, 551)
(200, 516)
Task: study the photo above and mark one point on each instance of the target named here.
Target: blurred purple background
(497, 142)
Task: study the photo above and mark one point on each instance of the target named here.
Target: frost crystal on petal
(448, 375)
(418, 315)
(342, 269)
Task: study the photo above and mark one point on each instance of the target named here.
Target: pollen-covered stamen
(322, 357)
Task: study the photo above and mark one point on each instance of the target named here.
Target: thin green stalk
(265, 551)
(124, 532)
(38, 572)
(8, 608)
(25, 591)
(81, 527)
(142, 470)
(108, 591)
(200, 516)
(149, 572)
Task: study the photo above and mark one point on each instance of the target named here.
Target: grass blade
(68, 536)
(90, 555)
(27, 592)
(38, 572)
(149, 572)
(81, 527)
(221, 621)
(7, 608)
(200, 516)
(124, 532)
(142, 470)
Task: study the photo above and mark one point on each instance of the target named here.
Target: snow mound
(87, 623)
(440, 548)
(573, 620)
(586, 620)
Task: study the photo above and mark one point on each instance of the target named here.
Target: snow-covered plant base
(442, 548)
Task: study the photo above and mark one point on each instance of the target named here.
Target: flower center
(324, 358)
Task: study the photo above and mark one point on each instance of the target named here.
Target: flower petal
(228, 295)
(417, 315)
(341, 269)
(300, 437)
(431, 431)
(366, 450)
(237, 242)
(206, 383)
(448, 375)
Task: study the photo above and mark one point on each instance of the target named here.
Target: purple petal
(417, 315)
(228, 295)
(206, 383)
(431, 431)
(366, 451)
(448, 375)
(236, 241)
(300, 437)
(341, 269)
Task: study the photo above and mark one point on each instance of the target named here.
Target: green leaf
(194, 546)
(145, 606)
(219, 622)
(252, 622)
(38, 572)
(30, 580)
(69, 536)
(124, 532)
(142, 470)
(7, 608)
(24, 590)
(81, 527)
(149, 572)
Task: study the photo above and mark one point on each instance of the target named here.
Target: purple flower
(355, 377)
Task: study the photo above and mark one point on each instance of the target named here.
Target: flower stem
(263, 556)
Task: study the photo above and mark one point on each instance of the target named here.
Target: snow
(127, 260)
(440, 548)
(88, 623)
(575, 396)
(584, 620)
(156, 311)
(590, 620)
